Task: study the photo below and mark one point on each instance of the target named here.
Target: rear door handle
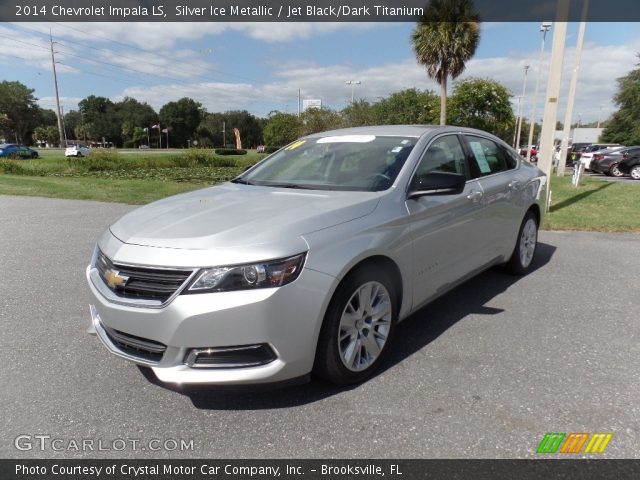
(474, 196)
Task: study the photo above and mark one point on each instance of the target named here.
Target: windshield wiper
(286, 185)
(242, 181)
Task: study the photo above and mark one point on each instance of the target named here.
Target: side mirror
(437, 183)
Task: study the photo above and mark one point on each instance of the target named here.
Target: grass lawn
(87, 188)
(595, 205)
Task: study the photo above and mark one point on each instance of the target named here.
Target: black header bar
(297, 10)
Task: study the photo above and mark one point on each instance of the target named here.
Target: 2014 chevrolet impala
(307, 261)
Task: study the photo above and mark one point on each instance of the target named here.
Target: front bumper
(286, 319)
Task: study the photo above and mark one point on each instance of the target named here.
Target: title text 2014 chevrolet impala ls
(307, 261)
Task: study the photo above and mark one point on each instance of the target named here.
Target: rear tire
(357, 328)
(525, 249)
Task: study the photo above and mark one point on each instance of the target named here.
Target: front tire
(525, 249)
(635, 172)
(357, 327)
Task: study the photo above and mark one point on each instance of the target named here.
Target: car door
(503, 187)
(444, 227)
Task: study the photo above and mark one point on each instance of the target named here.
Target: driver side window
(445, 154)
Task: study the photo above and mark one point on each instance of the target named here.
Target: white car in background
(77, 151)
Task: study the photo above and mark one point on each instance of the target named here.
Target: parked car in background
(630, 165)
(307, 261)
(13, 150)
(143, 147)
(607, 162)
(600, 148)
(534, 152)
(260, 148)
(77, 151)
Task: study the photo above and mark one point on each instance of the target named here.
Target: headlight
(274, 273)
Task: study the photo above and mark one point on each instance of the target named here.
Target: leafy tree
(133, 115)
(282, 128)
(48, 118)
(624, 125)
(100, 119)
(210, 129)
(444, 39)
(357, 114)
(19, 112)
(182, 119)
(483, 104)
(48, 134)
(407, 107)
(319, 120)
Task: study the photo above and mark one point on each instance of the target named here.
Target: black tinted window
(445, 154)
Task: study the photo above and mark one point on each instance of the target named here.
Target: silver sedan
(306, 262)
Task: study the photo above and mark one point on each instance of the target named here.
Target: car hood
(234, 215)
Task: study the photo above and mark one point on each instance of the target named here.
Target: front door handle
(515, 184)
(475, 195)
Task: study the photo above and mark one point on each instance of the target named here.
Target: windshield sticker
(348, 139)
(396, 149)
(480, 158)
(295, 145)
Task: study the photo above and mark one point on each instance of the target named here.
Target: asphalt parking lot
(483, 372)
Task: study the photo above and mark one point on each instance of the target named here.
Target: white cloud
(600, 66)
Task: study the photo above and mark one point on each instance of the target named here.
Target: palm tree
(445, 37)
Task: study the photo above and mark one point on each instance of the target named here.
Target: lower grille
(140, 283)
(136, 346)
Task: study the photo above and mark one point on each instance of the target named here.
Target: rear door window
(490, 158)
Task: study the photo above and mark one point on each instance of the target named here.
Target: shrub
(12, 167)
(230, 151)
(201, 157)
(270, 150)
(100, 160)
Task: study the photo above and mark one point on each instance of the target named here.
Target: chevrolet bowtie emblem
(114, 279)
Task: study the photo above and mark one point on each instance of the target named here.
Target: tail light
(598, 157)
(625, 156)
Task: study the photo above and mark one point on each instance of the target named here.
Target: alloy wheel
(528, 240)
(364, 326)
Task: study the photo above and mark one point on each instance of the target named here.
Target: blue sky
(259, 67)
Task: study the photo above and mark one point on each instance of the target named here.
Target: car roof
(397, 130)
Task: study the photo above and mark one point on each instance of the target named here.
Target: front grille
(140, 283)
(136, 346)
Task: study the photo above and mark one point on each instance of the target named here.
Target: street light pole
(544, 28)
(353, 83)
(521, 110)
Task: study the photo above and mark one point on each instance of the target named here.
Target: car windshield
(347, 162)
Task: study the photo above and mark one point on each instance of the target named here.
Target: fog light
(230, 357)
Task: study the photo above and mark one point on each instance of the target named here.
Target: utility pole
(544, 28)
(545, 154)
(55, 82)
(224, 134)
(299, 100)
(572, 92)
(521, 111)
